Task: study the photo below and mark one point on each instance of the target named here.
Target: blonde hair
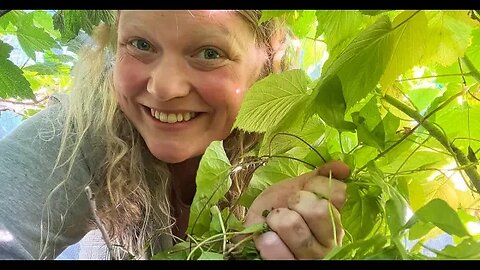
(133, 187)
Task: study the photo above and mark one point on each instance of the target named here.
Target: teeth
(172, 117)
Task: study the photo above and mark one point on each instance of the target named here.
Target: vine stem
(473, 71)
(101, 227)
(436, 133)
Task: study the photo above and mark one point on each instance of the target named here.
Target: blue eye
(141, 44)
(210, 53)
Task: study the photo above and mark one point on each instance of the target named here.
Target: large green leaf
(410, 38)
(439, 213)
(448, 36)
(270, 99)
(330, 105)
(363, 61)
(293, 124)
(337, 25)
(367, 120)
(360, 213)
(33, 39)
(12, 82)
(468, 249)
(5, 50)
(70, 22)
(9, 20)
(473, 52)
(213, 182)
(43, 19)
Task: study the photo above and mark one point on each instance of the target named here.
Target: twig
(93, 207)
(35, 102)
(436, 133)
(434, 76)
(475, 73)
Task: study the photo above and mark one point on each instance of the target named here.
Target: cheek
(127, 78)
(225, 96)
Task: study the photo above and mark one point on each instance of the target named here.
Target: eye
(209, 54)
(141, 44)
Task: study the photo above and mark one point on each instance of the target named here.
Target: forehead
(228, 22)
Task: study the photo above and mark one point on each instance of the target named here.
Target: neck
(183, 179)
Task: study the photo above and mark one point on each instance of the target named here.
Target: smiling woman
(147, 100)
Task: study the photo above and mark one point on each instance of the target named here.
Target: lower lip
(171, 126)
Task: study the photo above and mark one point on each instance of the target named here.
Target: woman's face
(180, 77)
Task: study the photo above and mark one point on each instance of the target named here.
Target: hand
(299, 214)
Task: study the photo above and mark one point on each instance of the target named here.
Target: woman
(134, 129)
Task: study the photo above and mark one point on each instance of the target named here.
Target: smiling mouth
(171, 118)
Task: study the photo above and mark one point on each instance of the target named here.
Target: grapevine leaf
(5, 50)
(468, 249)
(360, 213)
(213, 182)
(208, 255)
(473, 52)
(362, 246)
(410, 38)
(395, 210)
(44, 20)
(337, 25)
(177, 252)
(448, 36)
(270, 99)
(372, 12)
(330, 105)
(363, 61)
(369, 125)
(439, 213)
(11, 18)
(269, 14)
(419, 229)
(292, 123)
(32, 38)
(12, 83)
(70, 22)
(302, 25)
(48, 68)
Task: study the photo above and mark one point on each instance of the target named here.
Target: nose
(168, 78)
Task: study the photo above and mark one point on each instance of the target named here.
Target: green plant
(397, 99)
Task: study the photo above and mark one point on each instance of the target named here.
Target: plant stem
(436, 133)
(473, 71)
(101, 227)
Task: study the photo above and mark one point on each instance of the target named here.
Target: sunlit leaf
(439, 213)
(362, 63)
(33, 39)
(213, 181)
(448, 36)
(12, 82)
(409, 38)
(270, 99)
(329, 104)
(337, 25)
(360, 214)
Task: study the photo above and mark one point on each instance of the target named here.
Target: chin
(171, 155)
